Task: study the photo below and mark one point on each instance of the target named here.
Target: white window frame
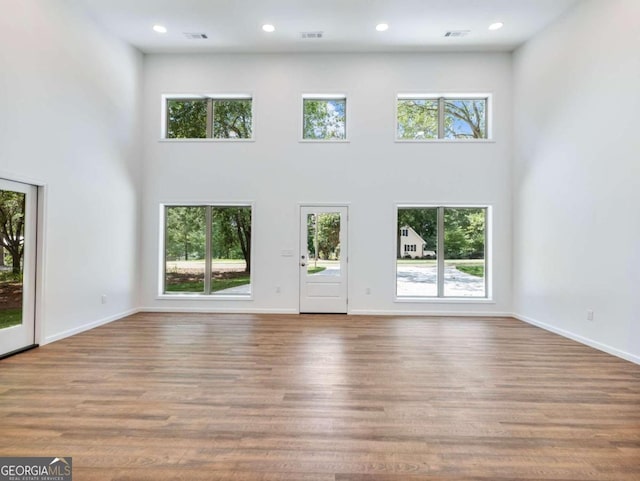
(212, 97)
(488, 256)
(325, 96)
(162, 253)
(441, 98)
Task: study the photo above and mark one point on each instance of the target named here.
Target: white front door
(18, 207)
(323, 259)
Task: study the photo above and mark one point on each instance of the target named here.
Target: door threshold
(325, 313)
(18, 351)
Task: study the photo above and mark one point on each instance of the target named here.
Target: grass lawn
(216, 285)
(220, 284)
(473, 270)
(189, 286)
(10, 318)
(315, 270)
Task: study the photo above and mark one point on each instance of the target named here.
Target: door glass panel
(323, 244)
(12, 222)
(231, 250)
(185, 248)
(464, 249)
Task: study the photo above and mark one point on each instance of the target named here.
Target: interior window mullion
(210, 108)
(441, 106)
(440, 252)
(207, 255)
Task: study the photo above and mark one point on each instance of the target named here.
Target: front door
(18, 207)
(323, 259)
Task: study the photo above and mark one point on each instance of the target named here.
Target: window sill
(324, 141)
(205, 140)
(445, 141)
(446, 300)
(203, 297)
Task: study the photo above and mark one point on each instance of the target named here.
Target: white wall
(576, 178)
(69, 118)
(372, 173)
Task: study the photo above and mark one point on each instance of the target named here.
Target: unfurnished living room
(285, 240)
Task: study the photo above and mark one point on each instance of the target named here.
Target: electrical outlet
(103, 298)
(367, 291)
(589, 314)
(277, 289)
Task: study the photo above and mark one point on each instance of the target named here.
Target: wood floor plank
(323, 398)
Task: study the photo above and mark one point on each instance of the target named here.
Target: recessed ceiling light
(268, 28)
(160, 29)
(496, 26)
(382, 27)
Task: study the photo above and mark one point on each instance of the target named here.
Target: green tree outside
(232, 119)
(185, 233)
(465, 119)
(464, 233)
(12, 219)
(464, 230)
(189, 118)
(327, 227)
(186, 119)
(12, 225)
(417, 119)
(424, 221)
(231, 234)
(324, 119)
(186, 240)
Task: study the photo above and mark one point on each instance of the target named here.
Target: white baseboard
(381, 312)
(86, 327)
(581, 339)
(218, 310)
(354, 312)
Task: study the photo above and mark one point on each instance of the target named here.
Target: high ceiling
(347, 25)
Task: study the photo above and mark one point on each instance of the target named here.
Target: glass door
(18, 211)
(323, 259)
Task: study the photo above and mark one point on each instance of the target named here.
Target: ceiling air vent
(312, 34)
(195, 36)
(457, 33)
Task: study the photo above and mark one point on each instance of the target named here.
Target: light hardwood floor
(323, 398)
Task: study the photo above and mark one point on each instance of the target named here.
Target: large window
(428, 118)
(207, 250)
(209, 118)
(324, 118)
(441, 252)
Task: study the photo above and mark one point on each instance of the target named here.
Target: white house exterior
(412, 245)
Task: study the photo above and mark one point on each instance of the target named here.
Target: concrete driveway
(421, 281)
(412, 281)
